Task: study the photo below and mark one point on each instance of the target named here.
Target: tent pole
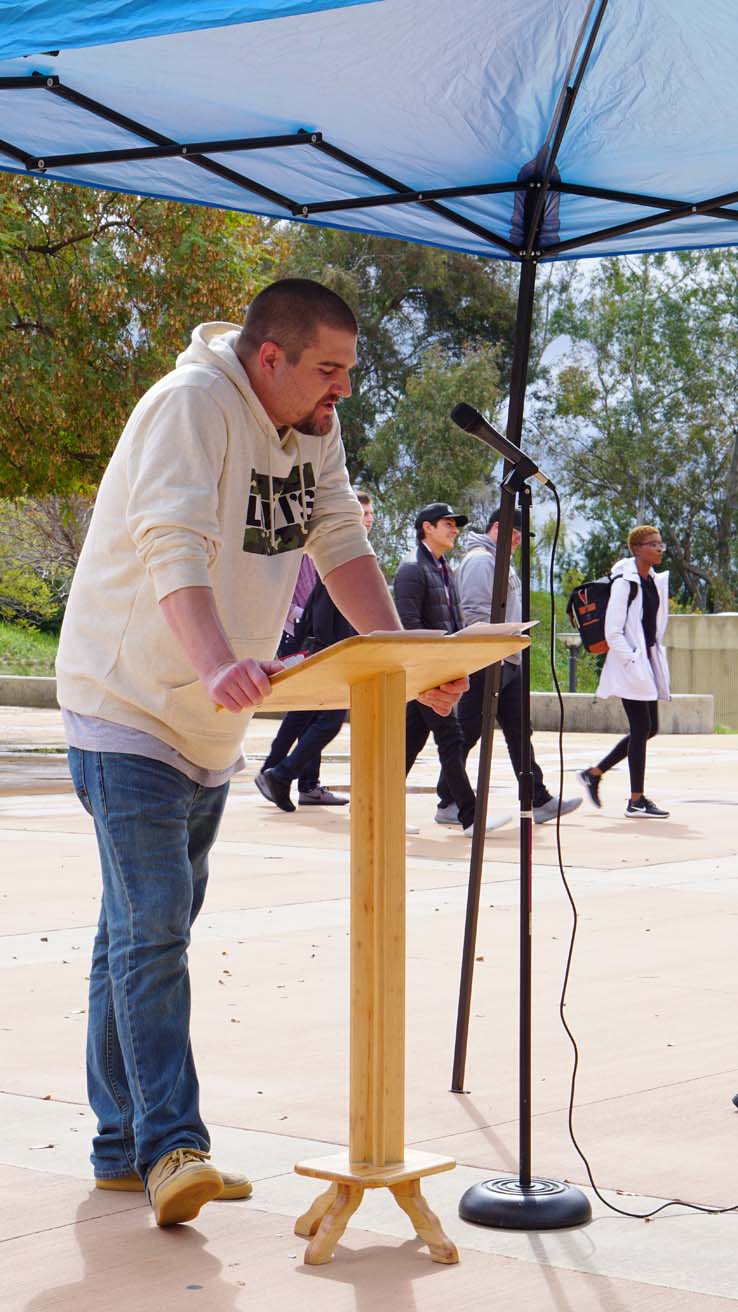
(521, 351)
(518, 378)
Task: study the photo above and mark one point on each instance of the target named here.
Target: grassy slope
(26, 651)
(540, 666)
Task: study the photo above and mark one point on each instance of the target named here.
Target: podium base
(543, 1205)
(327, 1218)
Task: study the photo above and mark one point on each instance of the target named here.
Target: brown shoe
(234, 1186)
(179, 1183)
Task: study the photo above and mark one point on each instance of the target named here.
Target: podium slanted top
(324, 681)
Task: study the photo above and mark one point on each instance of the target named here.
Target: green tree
(40, 542)
(419, 456)
(98, 293)
(435, 328)
(407, 299)
(645, 410)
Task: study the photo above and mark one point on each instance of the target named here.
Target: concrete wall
(703, 657)
(28, 690)
(585, 713)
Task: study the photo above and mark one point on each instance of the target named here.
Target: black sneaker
(644, 809)
(591, 785)
(274, 790)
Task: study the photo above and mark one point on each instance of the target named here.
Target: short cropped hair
(289, 312)
(639, 534)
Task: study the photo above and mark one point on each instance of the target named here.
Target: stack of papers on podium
(478, 630)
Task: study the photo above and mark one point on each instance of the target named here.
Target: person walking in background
(636, 668)
(302, 736)
(426, 598)
(474, 581)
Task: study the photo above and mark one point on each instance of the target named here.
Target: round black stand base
(543, 1205)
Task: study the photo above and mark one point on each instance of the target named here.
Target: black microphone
(466, 417)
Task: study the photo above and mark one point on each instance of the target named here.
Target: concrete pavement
(652, 1003)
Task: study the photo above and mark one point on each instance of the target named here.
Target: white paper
(516, 628)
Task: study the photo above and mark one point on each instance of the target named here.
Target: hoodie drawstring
(272, 532)
(291, 437)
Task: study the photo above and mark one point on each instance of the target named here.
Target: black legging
(643, 719)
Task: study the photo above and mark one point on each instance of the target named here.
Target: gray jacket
(474, 580)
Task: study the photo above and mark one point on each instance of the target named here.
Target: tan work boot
(179, 1183)
(234, 1186)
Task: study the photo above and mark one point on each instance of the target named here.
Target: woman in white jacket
(635, 668)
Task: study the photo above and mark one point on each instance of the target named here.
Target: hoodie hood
(474, 539)
(213, 346)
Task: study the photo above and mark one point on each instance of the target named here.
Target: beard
(316, 424)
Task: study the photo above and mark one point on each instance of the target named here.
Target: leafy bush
(27, 599)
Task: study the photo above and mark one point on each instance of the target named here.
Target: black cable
(674, 1202)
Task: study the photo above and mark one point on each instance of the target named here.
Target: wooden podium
(376, 675)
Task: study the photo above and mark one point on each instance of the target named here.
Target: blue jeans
(154, 828)
(312, 730)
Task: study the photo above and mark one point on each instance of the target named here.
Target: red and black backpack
(587, 607)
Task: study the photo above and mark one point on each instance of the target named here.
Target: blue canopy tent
(520, 130)
(406, 118)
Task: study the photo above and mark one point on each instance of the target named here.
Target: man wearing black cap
(426, 598)
(474, 580)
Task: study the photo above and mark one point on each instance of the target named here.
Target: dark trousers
(311, 731)
(508, 718)
(422, 721)
(643, 720)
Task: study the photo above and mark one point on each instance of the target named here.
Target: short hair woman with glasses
(635, 668)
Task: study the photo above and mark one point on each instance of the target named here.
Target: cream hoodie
(200, 490)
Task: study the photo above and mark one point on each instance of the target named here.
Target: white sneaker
(550, 809)
(497, 823)
(447, 815)
(411, 829)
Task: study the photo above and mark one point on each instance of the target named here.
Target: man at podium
(227, 470)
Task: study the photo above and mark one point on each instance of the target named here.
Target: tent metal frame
(539, 188)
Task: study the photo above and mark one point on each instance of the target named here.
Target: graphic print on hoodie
(290, 501)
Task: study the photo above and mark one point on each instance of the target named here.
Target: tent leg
(521, 350)
(518, 380)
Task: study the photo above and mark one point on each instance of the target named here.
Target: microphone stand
(522, 1202)
(490, 695)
